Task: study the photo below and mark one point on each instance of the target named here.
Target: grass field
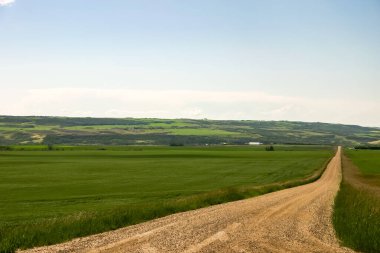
(368, 162)
(357, 206)
(52, 196)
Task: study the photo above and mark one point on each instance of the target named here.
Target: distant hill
(16, 130)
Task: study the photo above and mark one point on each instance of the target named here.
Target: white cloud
(6, 2)
(186, 104)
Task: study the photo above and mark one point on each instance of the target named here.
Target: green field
(368, 162)
(357, 205)
(51, 196)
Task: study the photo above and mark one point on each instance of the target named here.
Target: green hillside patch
(201, 131)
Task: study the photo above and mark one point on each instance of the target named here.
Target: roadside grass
(357, 219)
(356, 215)
(51, 197)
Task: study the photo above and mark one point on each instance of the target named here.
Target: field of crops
(368, 162)
(50, 196)
(357, 206)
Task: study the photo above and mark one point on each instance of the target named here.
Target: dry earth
(291, 220)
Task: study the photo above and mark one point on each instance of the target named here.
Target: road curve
(292, 220)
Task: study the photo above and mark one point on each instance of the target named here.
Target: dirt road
(291, 220)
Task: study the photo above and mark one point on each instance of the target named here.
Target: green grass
(26, 128)
(357, 208)
(159, 128)
(39, 147)
(97, 127)
(357, 219)
(52, 196)
(201, 131)
(368, 161)
(171, 124)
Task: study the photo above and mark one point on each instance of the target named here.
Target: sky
(300, 60)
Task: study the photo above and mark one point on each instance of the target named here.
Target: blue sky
(281, 60)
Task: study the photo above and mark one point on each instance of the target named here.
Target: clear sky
(265, 60)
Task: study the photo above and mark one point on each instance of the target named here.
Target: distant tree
(269, 148)
(176, 144)
(50, 147)
(373, 147)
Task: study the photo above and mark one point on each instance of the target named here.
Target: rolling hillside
(20, 130)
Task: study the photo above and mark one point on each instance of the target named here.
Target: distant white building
(254, 143)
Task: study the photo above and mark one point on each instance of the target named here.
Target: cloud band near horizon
(240, 105)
